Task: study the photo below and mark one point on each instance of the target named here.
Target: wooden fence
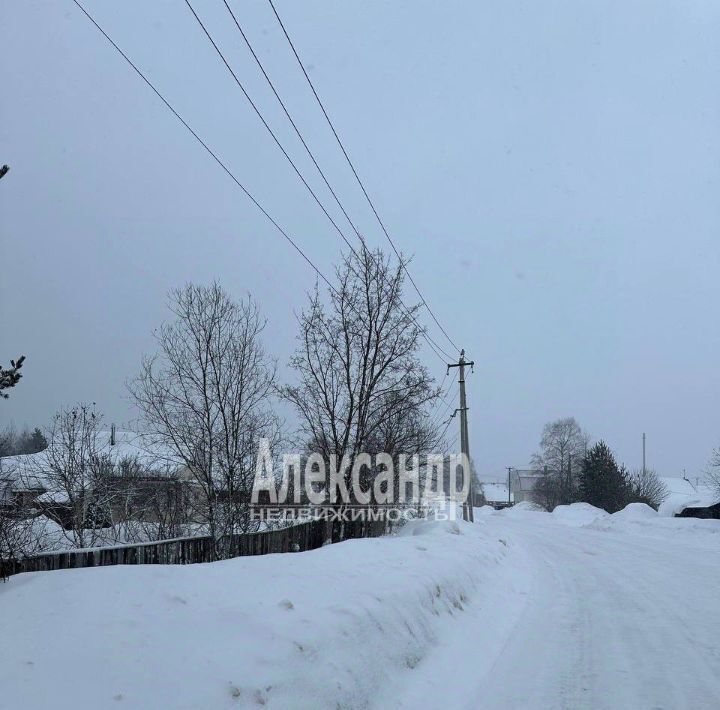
(191, 550)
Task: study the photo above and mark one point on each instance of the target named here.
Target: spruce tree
(36, 441)
(603, 483)
(11, 376)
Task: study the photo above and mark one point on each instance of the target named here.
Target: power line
(447, 404)
(436, 415)
(433, 343)
(309, 151)
(203, 144)
(267, 126)
(355, 173)
(290, 118)
(209, 150)
(447, 424)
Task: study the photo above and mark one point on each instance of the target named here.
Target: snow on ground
(596, 619)
(523, 609)
(645, 522)
(636, 511)
(524, 506)
(323, 629)
(578, 514)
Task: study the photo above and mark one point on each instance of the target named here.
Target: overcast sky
(553, 166)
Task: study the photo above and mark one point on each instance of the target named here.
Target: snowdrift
(641, 519)
(578, 514)
(635, 511)
(321, 629)
(523, 506)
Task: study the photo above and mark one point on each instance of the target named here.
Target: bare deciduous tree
(21, 535)
(713, 474)
(562, 447)
(206, 396)
(74, 469)
(13, 442)
(361, 386)
(151, 503)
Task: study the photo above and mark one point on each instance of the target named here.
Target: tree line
(14, 443)
(209, 392)
(572, 470)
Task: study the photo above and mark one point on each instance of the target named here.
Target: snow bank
(578, 514)
(321, 629)
(524, 506)
(693, 531)
(636, 511)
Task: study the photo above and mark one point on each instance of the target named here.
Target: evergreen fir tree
(10, 377)
(36, 441)
(603, 483)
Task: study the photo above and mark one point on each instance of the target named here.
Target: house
(6, 494)
(523, 482)
(137, 472)
(688, 500)
(17, 491)
(496, 494)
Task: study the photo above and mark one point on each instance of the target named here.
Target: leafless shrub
(646, 487)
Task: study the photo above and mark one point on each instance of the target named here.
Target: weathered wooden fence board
(192, 550)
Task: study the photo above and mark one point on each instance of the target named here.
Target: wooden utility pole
(509, 494)
(643, 468)
(464, 439)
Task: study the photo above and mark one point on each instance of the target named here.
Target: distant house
(6, 494)
(138, 471)
(17, 491)
(523, 482)
(688, 500)
(496, 494)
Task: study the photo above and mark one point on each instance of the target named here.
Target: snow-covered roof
(57, 497)
(683, 494)
(27, 469)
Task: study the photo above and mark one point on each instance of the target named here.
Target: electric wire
(209, 150)
(433, 343)
(357, 176)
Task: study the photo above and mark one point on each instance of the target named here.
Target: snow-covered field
(523, 609)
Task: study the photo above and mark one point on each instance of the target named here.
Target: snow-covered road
(521, 610)
(598, 617)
